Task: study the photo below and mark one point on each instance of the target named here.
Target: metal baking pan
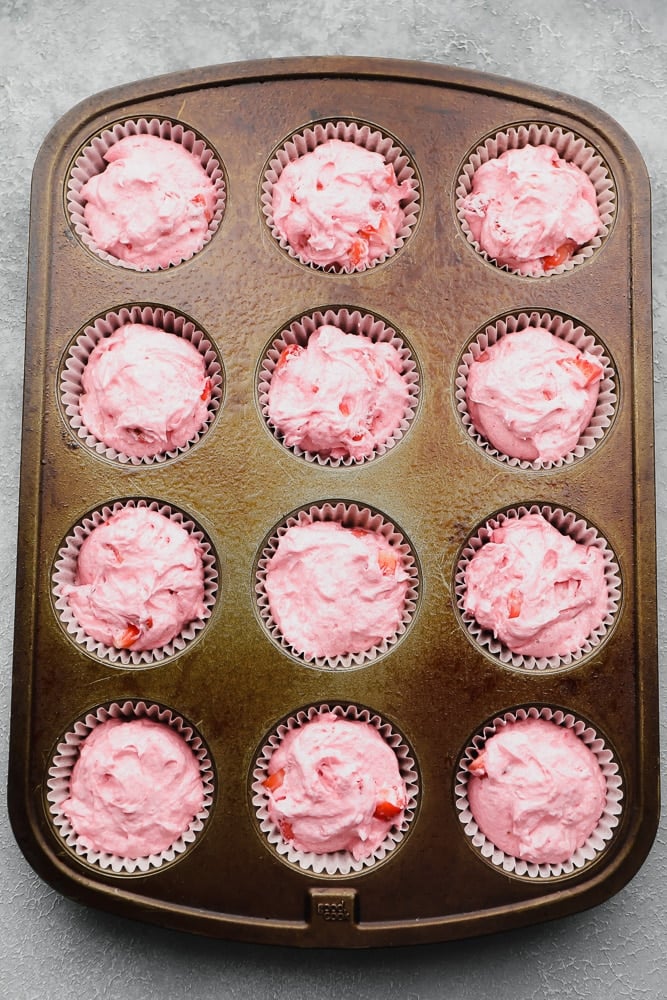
(435, 686)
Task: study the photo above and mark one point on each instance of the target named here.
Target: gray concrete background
(54, 53)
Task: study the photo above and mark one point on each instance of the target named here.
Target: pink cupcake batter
(540, 592)
(536, 791)
(139, 580)
(135, 788)
(340, 396)
(152, 204)
(531, 210)
(532, 394)
(145, 391)
(339, 205)
(334, 590)
(334, 785)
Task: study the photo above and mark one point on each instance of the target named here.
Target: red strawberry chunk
(478, 766)
(128, 637)
(559, 256)
(387, 560)
(286, 829)
(591, 370)
(514, 602)
(384, 230)
(356, 251)
(288, 354)
(274, 780)
(386, 810)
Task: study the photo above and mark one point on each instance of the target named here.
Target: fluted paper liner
(568, 523)
(335, 863)
(595, 843)
(90, 161)
(569, 331)
(66, 756)
(76, 359)
(569, 147)
(362, 134)
(350, 516)
(348, 321)
(64, 572)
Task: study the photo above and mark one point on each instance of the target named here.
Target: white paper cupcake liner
(569, 147)
(66, 756)
(575, 334)
(90, 161)
(596, 842)
(79, 351)
(371, 138)
(335, 863)
(570, 524)
(64, 572)
(362, 324)
(350, 515)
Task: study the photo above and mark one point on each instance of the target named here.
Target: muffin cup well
(568, 523)
(348, 321)
(80, 349)
(90, 161)
(569, 331)
(64, 572)
(607, 823)
(363, 134)
(66, 756)
(569, 147)
(337, 863)
(349, 515)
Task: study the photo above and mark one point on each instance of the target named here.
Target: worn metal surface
(435, 485)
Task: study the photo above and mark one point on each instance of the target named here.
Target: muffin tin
(438, 687)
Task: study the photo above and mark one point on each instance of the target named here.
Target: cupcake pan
(437, 687)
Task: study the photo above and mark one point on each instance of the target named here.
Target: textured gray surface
(54, 53)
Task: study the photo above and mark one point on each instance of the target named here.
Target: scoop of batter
(530, 209)
(152, 205)
(339, 205)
